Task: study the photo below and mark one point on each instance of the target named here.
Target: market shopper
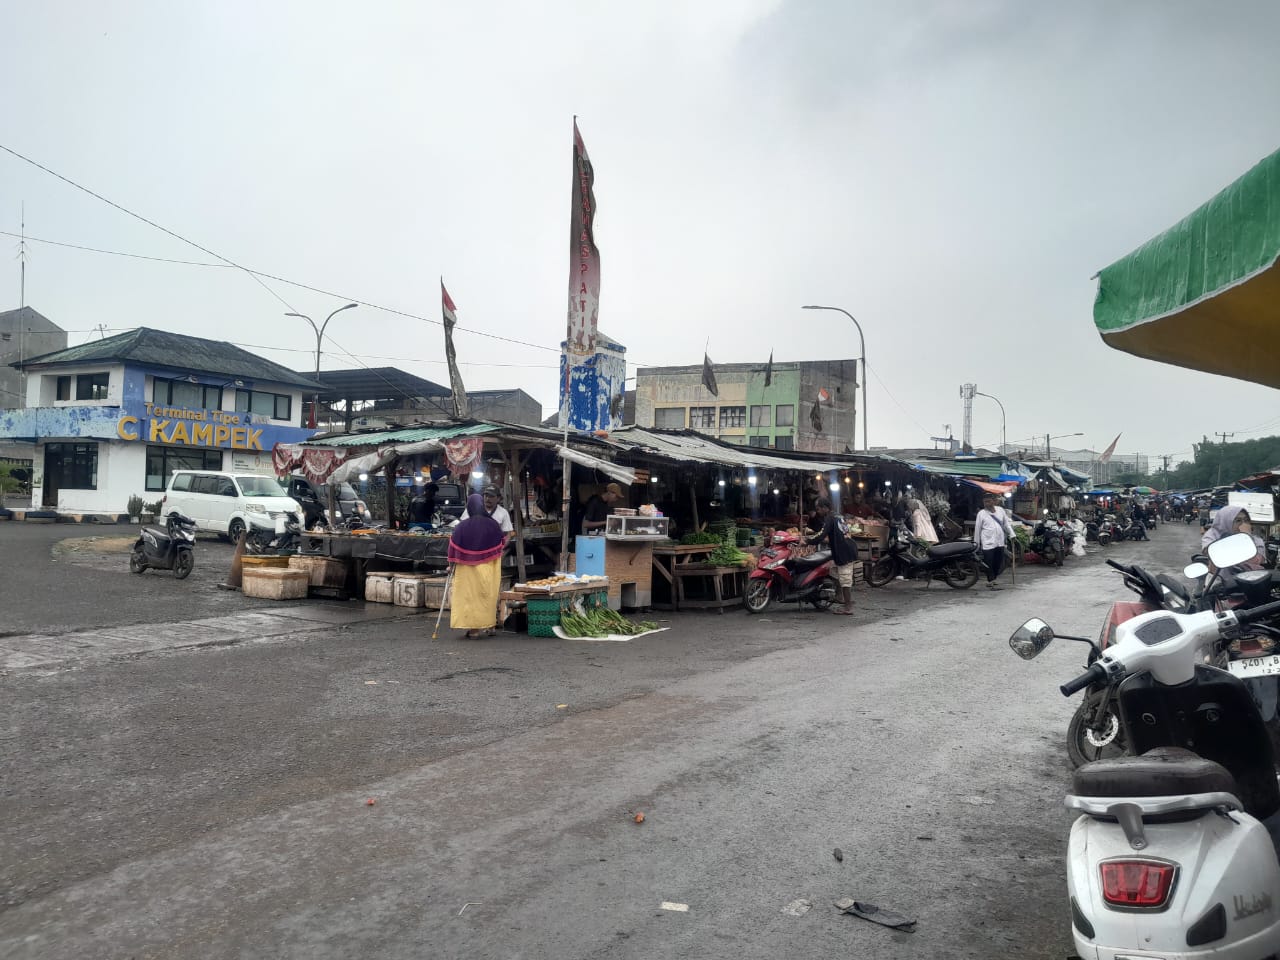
(844, 552)
(599, 506)
(422, 509)
(1229, 520)
(494, 508)
(992, 531)
(475, 551)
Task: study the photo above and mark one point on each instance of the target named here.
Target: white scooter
(1171, 857)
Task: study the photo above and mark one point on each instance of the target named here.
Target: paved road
(212, 802)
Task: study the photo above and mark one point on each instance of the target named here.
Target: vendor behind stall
(599, 506)
(494, 508)
(422, 509)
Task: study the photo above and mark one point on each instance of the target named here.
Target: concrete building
(24, 333)
(809, 404)
(112, 418)
(509, 406)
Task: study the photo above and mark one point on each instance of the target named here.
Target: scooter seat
(813, 560)
(1162, 772)
(960, 548)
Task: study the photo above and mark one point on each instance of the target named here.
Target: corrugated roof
(961, 468)
(175, 351)
(697, 448)
(379, 438)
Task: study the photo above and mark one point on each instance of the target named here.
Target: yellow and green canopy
(1205, 294)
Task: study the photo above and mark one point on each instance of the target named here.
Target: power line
(260, 275)
(119, 253)
(895, 399)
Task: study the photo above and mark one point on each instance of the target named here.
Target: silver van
(229, 503)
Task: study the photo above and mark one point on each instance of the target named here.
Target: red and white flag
(455, 378)
(823, 395)
(1106, 454)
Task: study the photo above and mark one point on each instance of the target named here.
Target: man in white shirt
(495, 509)
(991, 532)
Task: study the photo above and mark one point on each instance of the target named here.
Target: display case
(635, 528)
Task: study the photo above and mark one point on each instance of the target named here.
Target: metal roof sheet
(379, 438)
(697, 448)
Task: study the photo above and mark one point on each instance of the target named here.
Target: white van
(228, 503)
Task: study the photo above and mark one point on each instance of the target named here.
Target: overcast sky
(952, 173)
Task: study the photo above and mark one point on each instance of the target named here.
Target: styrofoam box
(273, 583)
(409, 592)
(377, 587)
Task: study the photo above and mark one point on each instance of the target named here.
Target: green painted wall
(785, 389)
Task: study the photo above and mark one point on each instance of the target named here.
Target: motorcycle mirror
(1194, 571)
(1231, 550)
(1031, 638)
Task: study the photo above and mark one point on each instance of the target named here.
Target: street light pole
(315, 403)
(862, 344)
(1003, 439)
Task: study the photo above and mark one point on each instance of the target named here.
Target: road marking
(677, 907)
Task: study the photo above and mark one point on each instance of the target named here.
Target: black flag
(709, 376)
(768, 370)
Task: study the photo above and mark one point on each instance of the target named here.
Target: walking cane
(435, 634)
(1013, 562)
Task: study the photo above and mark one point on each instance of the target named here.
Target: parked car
(228, 503)
(314, 499)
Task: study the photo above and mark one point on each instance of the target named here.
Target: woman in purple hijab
(475, 550)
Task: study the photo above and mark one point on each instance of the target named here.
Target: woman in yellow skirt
(475, 550)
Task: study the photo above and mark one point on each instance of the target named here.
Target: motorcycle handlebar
(1254, 614)
(1094, 674)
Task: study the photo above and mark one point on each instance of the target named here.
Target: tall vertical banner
(584, 258)
(455, 378)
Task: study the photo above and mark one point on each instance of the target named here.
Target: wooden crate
(264, 563)
(377, 587)
(322, 571)
(273, 583)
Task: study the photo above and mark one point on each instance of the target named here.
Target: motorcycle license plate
(1256, 666)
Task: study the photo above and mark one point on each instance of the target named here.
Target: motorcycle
(1174, 852)
(167, 548)
(782, 576)
(1130, 529)
(281, 541)
(1095, 732)
(957, 563)
(1106, 530)
(1271, 551)
(1048, 538)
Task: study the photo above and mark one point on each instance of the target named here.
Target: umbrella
(1205, 294)
(1145, 490)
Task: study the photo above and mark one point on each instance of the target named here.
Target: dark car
(451, 500)
(314, 500)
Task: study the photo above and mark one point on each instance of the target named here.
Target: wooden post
(693, 498)
(389, 471)
(517, 519)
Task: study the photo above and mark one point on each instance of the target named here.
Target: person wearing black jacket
(844, 552)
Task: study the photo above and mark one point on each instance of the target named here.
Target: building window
(733, 418)
(277, 406)
(784, 442)
(64, 388)
(74, 465)
(162, 461)
(669, 418)
(759, 441)
(92, 386)
(182, 393)
(702, 418)
(760, 416)
(786, 415)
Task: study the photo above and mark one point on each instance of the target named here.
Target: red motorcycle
(782, 576)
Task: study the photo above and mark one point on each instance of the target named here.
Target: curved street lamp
(862, 344)
(1003, 442)
(315, 408)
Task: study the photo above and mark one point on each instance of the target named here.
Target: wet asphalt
(213, 801)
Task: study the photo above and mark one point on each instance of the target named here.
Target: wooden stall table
(669, 558)
(726, 585)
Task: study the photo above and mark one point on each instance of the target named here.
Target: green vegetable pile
(726, 555)
(700, 538)
(601, 622)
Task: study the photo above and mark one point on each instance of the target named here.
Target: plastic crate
(543, 614)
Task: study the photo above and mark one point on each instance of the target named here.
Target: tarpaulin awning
(1205, 294)
(999, 489)
(615, 470)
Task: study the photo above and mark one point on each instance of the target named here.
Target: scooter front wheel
(183, 564)
(880, 572)
(758, 595)
(137, 561)
(1092, 737)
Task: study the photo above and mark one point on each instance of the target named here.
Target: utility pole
(1224, 443)
(1165, 457)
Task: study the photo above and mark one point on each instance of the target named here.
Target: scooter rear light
(1137, 884)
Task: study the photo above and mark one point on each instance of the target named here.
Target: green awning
(1205, 294)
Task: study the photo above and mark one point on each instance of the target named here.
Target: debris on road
(869, 911)
(639, 817)
(797, 908)
(562, 706)
(677, 907)
(838, 854)
(471, 903)
(370, 802)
